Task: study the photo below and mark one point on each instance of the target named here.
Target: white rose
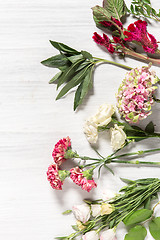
(96, 210)
(91, 131)
(118, 137)
(81, 212)
(104, 114)
(92, 235)
(108, 235)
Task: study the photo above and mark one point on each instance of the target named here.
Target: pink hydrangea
(76, 174)
(135, 94)
(60, 149)
(53, 177)
(137, 31)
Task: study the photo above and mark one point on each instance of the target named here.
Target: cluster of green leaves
(136, 218)
(76, 69)
(137, 133)
(111, 8)
(145, 9)
(134, 132)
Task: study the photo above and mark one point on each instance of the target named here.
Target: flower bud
(80, 226)
(92, 235)
(101, 209)
(118, 137)
(108, 234)
(81, 212)
(106, 208)
(96, 210)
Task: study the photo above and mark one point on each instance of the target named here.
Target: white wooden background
(31, 122)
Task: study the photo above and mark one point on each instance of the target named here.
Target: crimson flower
(137, 31)
(110, 24)
(103, 41)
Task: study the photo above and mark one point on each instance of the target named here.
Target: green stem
(113, 63)
(141, 56)
(134, 153)
(135, 162)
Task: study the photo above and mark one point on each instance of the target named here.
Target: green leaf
(138, 232)
(55, 77)
(87, 55)
(132, 9)
(72, 83)
(74, 58)
(100, 15)
(138, 216)
(150, 128)
(154, 228)
(83, 65)
(128, 181)
(83, 88)
(148, 9)
(115, 7)
(68, 74)
(147, 1)
(75, 227)
(67, 212)
(64, 48)
(109, 169)
(62, 238)
(56, 61)
(153, 11)
(111, 223)
(147, 203)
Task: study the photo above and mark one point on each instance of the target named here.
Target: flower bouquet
(99, 219)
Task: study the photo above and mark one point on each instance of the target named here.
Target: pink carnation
(60, 149)
(137, 31)
(88, 184)
(135, 94)
(53, 177)
(77, 177)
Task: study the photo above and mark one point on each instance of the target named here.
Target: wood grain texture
(31, 121)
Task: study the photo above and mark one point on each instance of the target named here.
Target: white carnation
(118, 137)
(104, 114)
(91, 131)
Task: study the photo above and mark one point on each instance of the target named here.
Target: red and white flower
(60, 149)
(53, 177)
